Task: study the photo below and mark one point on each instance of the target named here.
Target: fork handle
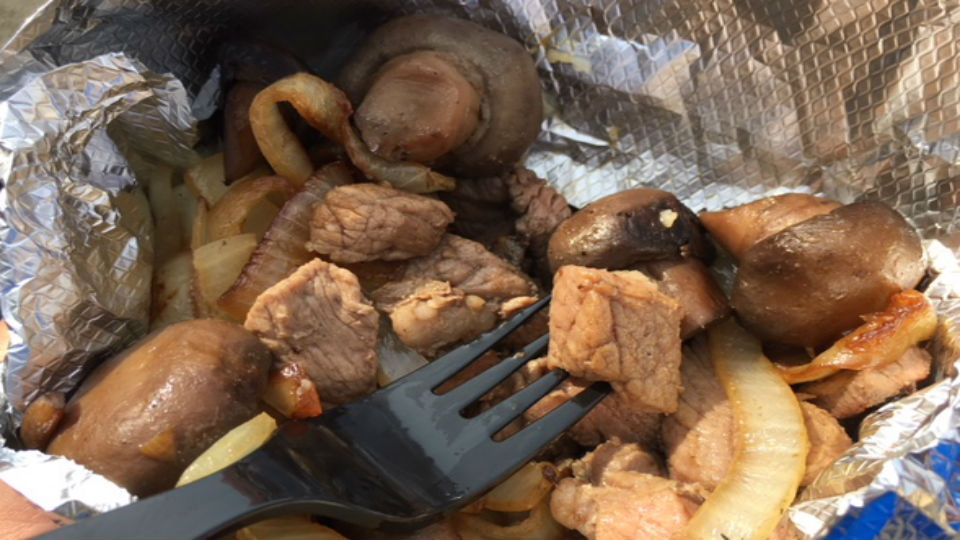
(255, 488)
(198, 510)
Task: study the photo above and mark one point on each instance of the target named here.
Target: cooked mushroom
(812, 281)
(143, 416)
(626, 229)
(737, 229)
(445, 92)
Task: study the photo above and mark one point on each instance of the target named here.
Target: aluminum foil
(718, 101)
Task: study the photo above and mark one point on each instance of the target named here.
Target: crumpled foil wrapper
(718, 101)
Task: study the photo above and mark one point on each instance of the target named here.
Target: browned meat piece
(828, 440)
(618, 499)
(738, 229)
(615, 417)
(318, 318)
(616, 456)
(698, 437)
(689, 282)
(704, 453)
(850, 393)
(367, 222)
(465, 265)
(540, 207)
(437, 315)
(617, 327)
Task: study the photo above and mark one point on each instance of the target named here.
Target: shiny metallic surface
(718, 101)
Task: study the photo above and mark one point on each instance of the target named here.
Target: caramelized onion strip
(883, 338)
(771, 443)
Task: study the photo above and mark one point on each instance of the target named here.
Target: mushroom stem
(419, 108)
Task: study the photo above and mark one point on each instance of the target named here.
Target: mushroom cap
(811, 282)
(626, 229)
(511, 107)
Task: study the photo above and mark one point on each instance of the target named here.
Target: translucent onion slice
(206, 179)
(884, 338)
(236, 207)
(288, 528)
(327, 110)
(523, 491)
(217, 265)
(320, 103)
(186, 203)
(231, 448)
(200, 234)
(396, 359)
(538, 525)
(770, 440)
(172, 292)
(406, 176)
(282, 249)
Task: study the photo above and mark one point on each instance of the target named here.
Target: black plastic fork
(401, 458)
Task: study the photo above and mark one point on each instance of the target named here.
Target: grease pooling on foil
(718, 101)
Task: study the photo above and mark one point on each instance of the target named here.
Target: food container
(718, 101)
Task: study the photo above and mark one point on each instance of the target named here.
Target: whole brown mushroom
(627, 229)
(812, 281)
(143, 416)
(445, 92)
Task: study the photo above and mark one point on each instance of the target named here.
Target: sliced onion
(172, 292)
(292, 393)
(320, 103)
(327, 110)
(206, 179)
(282, 249)
(217, 266)
(235, 208)
(396, 359)
(403, 175)
(523, 491)
(260, 218)
(884, 338)
(186, 203)
(771, 443)
(538, 525)
(200, 235)
(231, 448)
(167, 239)
(288, 528)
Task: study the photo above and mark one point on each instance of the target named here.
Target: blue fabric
(891, 517)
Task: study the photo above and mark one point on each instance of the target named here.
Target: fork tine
(477, 387)
(441, 369)
(497, 417)
(522, 446)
